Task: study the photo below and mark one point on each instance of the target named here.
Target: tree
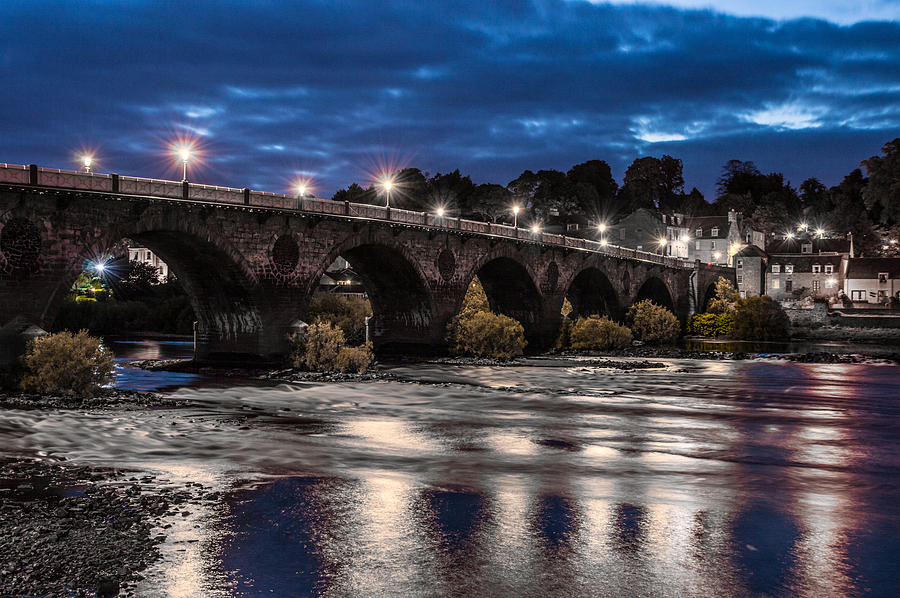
(597, 175)
(882, 194)
(813, 194)
(693, 204)
(737, 178)
(557, 198)
(140, 282)
(642, 186)
(725, 298)
(760, 318)
(652, 323)
(488, 202)
(451, 191)
(355, 194)
(848, 213)
(523, 188)
(410, 191)
(672, 189)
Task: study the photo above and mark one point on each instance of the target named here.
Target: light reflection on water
(700, 479)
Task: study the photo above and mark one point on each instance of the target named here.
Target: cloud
(491, 88)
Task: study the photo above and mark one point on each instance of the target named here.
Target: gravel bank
(77, 531)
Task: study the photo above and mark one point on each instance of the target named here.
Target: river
(549, 478)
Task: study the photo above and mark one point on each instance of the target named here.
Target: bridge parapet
(17, 174)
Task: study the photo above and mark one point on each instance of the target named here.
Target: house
(872, 279)
(341, 279)
(794, 276)
(643, 229)
(144, 255)
(750, 265)
(714, 239)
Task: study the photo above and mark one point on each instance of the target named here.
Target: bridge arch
(511, 291)
(592, 293)
(395, 284)
(708, 295)
(215, 277)
(656, 291)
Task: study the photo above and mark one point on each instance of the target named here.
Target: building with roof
(714, 239)
(873, 279)
(145, 256)
(793, 276)
(750, 271)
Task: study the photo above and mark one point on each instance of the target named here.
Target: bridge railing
(89, 181)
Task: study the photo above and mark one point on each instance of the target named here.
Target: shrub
(726, 297)
(354, 359)
(321, 345)
(653, 323)
(564, 338)
(67, 363)
(760, 318)
(347, 313)
(486, 334)
(599, 333)
(710, 324)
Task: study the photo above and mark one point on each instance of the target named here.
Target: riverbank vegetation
(599, 334)
(323, 348)
(137, 301)
(478, 332)
(66, 363)
(653, 324)
(752, 318)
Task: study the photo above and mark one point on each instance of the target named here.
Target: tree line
(864, 204)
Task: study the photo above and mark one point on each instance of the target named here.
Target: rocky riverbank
(78, 531)
(107, 398)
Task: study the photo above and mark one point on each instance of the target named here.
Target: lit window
(816, 268)
(740, 279)
(740, 263)
(697, 245)
(715, 232)
(882, 277)
(776, 268)
(806, 248)
(699, 232)
(829, 268)
(789, 268)
(712, 244)
(776, 284)
(815, 286)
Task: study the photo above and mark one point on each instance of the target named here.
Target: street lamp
(185, 154)
(789, 236)
(387, 184)
(301, 189)
(601, 227)
(440, 212)
(516, 216)
(662, 244)
(86, 162)
(603, 242)
(535, 228)
(717, 255)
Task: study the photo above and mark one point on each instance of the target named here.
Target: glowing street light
(662, 241)
(99, 267)
(86, 161)
(717, 256)
(535, 228)
(789, 236)
(184, 153)
(440, 212)
(301, 189)
(831, 281)
(387, 185)
(516, 216)
(603, 242)
(601, 227)
(820, 232)
(802, 227)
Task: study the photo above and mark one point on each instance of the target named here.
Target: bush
(67, 363)
(711, 324)
(564, 338)
(653, 323)
(486, 334)
(760, 318)
(347, 313)
(321, 345)
(599, 333)
(354, 359)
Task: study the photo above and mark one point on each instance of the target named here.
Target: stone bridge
(251, 261)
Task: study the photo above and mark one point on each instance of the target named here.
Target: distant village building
(145, 256)
(750, 265)
(873, 279)
(711, 239)
(341, 279)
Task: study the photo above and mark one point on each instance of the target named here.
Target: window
(622, 234)
(712, 244)
(697, 245)
(714, 232)
(640, 247)
(743, 294)
(816, 268)
(776, 284)
(699, 232)
(882, 277)
(815, 286)
(829, 268)
(789, 268)
(776, 268)
(148, 255)
(788, 285)
(740, 263)
(740, 279)
(806, 248)
(572, 226)
(857, 295)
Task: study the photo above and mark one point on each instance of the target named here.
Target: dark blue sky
(336, 90)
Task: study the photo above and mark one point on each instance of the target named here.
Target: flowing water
(550, 478)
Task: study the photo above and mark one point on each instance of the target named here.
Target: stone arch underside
(401, 303)
(656, 290)
(511, 291)
(592, 293)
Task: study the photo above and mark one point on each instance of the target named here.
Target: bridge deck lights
(440, 212)
(601, 227)
(515, 211)
(535, 228)
(86, 162)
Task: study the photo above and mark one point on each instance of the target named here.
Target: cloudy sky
(336, 90)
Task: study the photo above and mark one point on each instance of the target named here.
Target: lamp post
(536, 228)
(387, 184)
(516, 217)
(662, 245)
(185, 155)
(86, 162)
(301, 190)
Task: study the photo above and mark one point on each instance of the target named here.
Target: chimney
(732, 216)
